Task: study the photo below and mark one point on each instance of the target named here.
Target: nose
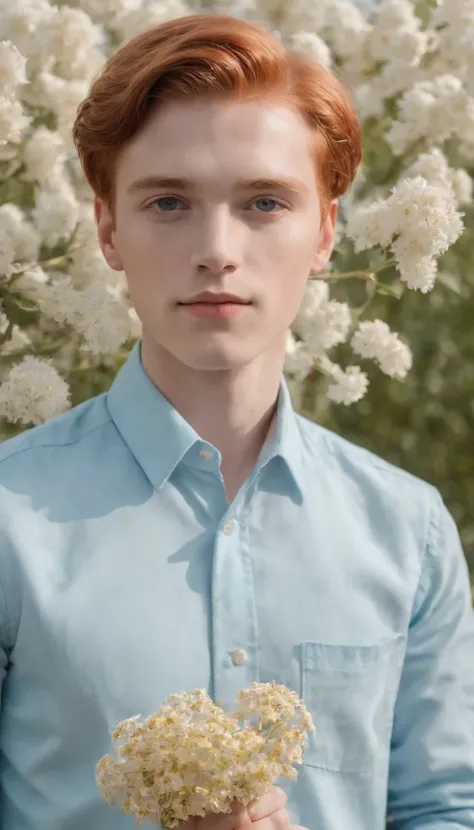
(217, 248)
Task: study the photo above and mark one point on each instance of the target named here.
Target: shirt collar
(286, 442)
(159, 437)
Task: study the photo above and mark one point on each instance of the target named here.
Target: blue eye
(267, 204)
(167, 204)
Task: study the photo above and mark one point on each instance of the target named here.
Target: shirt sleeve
(431, 783)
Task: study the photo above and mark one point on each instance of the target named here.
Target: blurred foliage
(424, 424)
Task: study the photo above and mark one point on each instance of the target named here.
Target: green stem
(369, 276)
(54, 261)
(4, 338)
(11, 173)
(38, 351)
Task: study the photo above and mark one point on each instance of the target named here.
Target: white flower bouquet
(191, 758)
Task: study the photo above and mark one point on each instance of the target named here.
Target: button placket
(234, 613)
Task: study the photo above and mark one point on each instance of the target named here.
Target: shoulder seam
(368, 457)
(43, 446)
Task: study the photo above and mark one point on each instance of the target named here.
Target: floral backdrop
(382, 349)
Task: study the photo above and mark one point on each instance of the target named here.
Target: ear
(106, 235)
(326, 239)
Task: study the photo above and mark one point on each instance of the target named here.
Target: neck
(231, 409)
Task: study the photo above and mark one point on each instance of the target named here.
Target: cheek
(151, 249)
(137, 248)
(290, 259)
(297, 241)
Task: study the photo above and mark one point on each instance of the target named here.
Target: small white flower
(374, 340)
(33, 392)
(70, 38)
(20, 21)
(424, 219)
(321, 323)
(89, 266)
(298, 361)
(88, 263)
(41, 153)
(391, 80)
(348, 28)
(325, 327)
(20, 231)
(348, 386)
(309, 43)
(316, 293)
(12, 65)
(453, 21)
(7, 254)
(102, 11)
(147, 15)
(55, 214)
(299, 15)
(434, 167)
(370, 224)
(396, 34)
(434, 110)
(241, 9)
(102, 319)
(13, 120)
(62, 97)
(32, 283)
(425, 216)
(463, 186)
(419, 273)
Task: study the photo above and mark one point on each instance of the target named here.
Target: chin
(217, 360)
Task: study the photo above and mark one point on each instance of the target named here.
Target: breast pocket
(350, 692)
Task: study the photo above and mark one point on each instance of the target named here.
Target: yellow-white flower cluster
(191, 758)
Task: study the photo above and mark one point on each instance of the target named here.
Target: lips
(208, 298)
(215, 306)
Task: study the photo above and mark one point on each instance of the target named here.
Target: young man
(188, 529)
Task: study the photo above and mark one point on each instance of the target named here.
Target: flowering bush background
(395, 309)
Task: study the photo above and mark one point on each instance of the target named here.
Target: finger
(237, 819)
(276, 821)
(275, 799)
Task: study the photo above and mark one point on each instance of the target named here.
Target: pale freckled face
(244, 218)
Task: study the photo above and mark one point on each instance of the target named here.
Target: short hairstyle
(216, 56)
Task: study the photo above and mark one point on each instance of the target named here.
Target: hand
(266, 813)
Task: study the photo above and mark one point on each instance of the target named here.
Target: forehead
(229, 140)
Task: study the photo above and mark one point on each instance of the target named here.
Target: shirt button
(239, 657)
(228, 528)
(207, 454)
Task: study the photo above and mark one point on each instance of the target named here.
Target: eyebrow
(154, 182)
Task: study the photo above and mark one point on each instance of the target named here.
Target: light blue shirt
(125, 576)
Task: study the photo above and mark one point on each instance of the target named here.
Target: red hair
(218, 56)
